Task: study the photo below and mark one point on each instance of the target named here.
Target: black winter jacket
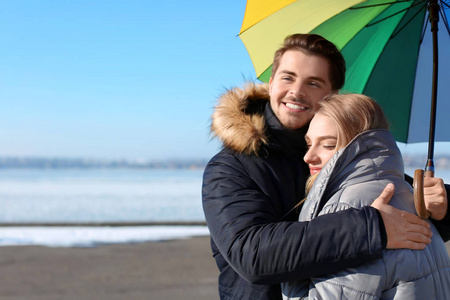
(249, 190)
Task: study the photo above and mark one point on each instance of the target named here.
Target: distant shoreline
(416, 161)
(83, 163)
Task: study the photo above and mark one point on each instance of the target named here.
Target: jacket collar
(371, 155)
(245, 123)
(283, 139)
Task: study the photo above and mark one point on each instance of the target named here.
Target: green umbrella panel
(376, 41)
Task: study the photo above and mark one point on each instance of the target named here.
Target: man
(251, 186)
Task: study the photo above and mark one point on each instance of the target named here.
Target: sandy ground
(180, 269)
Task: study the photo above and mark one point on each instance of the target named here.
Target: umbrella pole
(419, 201)
(434, 19)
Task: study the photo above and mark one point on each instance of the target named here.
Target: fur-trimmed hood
(238, 119)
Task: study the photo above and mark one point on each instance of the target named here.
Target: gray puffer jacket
(354, 177)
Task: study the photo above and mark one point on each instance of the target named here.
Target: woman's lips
(314, 170)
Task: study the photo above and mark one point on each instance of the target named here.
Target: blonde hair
(353, 114)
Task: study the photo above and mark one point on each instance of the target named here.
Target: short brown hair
(314, 44)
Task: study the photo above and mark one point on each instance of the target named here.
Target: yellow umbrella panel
(265, 24)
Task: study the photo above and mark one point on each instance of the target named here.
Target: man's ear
(270, 84)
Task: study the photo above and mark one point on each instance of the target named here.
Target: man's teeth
(295, 106)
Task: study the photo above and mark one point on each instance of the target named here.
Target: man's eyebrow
(317, 78)
(288, 72)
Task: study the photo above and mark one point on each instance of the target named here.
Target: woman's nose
(310, 156)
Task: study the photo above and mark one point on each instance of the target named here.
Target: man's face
(300, 82)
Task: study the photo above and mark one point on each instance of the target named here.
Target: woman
(348, 176)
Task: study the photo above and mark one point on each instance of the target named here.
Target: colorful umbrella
(389, 53)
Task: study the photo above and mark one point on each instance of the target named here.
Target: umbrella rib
(406, 24)
(424, 30)
(380, 4)
(400, 11)
(444, 17)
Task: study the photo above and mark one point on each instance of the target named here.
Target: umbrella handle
(419, 201)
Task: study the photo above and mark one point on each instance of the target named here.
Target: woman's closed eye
(329, 146)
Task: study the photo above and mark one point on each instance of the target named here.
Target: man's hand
(435, 197)
(404, 230)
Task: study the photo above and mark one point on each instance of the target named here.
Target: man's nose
(298, 90)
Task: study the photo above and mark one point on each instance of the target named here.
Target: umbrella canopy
(387, 47)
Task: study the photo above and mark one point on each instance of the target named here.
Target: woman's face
(321, 139)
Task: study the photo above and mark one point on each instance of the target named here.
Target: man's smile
(297, 106)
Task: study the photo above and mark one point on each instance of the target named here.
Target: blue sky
(117, 79)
